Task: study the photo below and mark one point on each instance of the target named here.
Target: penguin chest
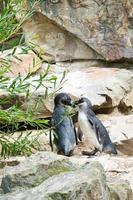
(88, 130)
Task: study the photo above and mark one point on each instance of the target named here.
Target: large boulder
(104, 26)
(87, 182)
(33, 171)
(59, 177)
(117, 168)
(54, 42)
(105, 87)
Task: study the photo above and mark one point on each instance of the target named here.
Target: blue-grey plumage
(64, 133)
(93, 129)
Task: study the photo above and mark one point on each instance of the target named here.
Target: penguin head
(84, 102)
(62, 99)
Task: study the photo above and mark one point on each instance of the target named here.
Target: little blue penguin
(92, 128)
(64, 131)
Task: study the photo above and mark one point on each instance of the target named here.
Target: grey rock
(126, 104)
(105, 87)
(55, 41)
(103, 25)
(121, 191)
(33, 171)
(118, 168)
(120, 131)
(86, 183)
(86, 180)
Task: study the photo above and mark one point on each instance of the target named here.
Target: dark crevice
(22, 126)
(105, 110)
(123, 108)
(4, 163)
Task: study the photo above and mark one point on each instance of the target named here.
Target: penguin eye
(66, 101)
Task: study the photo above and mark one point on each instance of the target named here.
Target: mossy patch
(58, 168)
(58, 195)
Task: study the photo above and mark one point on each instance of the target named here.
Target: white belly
(88, 131)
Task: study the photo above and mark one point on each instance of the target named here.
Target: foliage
(12, 116)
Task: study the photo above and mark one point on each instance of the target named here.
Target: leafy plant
(12, 116)
(21, 145)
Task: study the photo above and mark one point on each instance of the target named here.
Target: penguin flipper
(50, 134)
(76, 139)
(95, 126)
(98, 134)
(75, 133)
(50, 139)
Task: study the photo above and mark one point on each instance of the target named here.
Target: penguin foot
(70, 153)
(92, 153)
(110, 149)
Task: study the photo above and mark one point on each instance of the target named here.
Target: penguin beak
(75, 103)
(70, 103)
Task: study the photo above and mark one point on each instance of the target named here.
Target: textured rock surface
(21, 62)
(120, 131)
(74, 185)
(105, 26)
(57, 43)
(105, 87)
(86, 181)
(33, 171)
(126, 104)
(120, 191)
(117, 168)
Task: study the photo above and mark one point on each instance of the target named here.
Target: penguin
(65, 137)
(92, 128)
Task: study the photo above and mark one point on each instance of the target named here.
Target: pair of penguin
(65, 137)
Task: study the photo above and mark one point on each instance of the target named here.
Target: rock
(54, 41)
(103, 26)
(105, 87)
(79, 184)
(33, 171)
(126, 104)
(39, 100)
(43, 110)
(21, 62)
(120, 191)
(38, 140)
(117, 168)
(84, 181)
(120, 131)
